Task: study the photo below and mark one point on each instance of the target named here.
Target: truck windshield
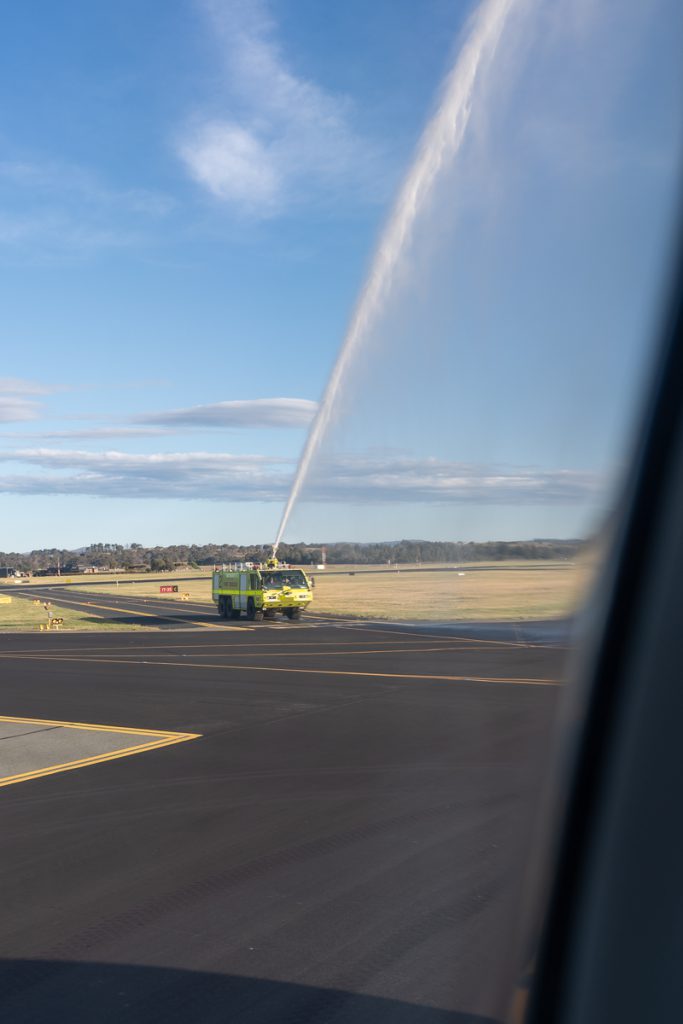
(286, 578)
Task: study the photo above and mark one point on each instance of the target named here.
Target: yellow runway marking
(149, 653)
(341, 653)
(89, 605)
(215, 647)
(105, 607)
(464, 639)
(302, 671)
(157, 739)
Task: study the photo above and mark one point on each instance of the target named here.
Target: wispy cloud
(274, 132)
(432, 480)
(45, 234)
(257, 412)
(15, 406)
(64, 180)
(233, 164)
(15, 410)
(53, 207)
(92, 434)
(276, 413)
(349, 479)
(19, 386)
(172, 475)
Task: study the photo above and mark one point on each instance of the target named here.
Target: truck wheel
(293, 613)
(252, 611)
(230, 612)
(222, 608)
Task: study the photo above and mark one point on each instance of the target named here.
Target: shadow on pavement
(42, 991)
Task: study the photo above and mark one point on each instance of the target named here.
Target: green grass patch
(23, 616)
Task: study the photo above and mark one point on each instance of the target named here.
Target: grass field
(23, 615)
(510, 590)
(497, 595)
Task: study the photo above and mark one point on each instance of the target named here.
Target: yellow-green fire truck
(261, 591)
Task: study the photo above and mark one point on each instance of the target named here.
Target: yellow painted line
(158, 739)
(88, 605)
(91, 727)
(373, 626)
(155, 602)
(326, 654)
(256, 646)
(371, 675)
(148, 653)
(341, 653)
(520, 644)
(104, 607)
(305, 671)
(216, 625)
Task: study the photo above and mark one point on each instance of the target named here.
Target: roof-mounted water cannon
(272, 562)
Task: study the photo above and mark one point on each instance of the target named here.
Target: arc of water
(438, 146)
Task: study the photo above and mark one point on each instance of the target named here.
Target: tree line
(138, 557)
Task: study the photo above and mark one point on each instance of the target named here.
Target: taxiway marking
(158, 738)
(302, 671)
(89, 605)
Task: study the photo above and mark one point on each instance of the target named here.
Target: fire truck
(262, 591)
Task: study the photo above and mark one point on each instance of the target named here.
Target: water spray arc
(438, 146)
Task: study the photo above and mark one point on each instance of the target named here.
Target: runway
(334, 842)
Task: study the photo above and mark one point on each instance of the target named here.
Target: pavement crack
(29, 732)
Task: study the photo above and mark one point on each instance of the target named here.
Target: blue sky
(190, 193)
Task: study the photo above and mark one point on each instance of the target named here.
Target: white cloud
(285, 413)
(157, 462)
(232, 164)
(92, 434)
(17, 401)
(113, 474)
(274, 132)
(431, 480)
(49, 233)
(349, 479)
(258, 412)
(51, 207)
(64, 180)
(18, 386)
(15, 410)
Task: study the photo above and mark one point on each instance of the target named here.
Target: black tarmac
(339, 844)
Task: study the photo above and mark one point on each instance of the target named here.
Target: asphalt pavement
(167, 612)
(341, 839)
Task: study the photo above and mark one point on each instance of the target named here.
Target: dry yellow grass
(506, 591)
(498, 594)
